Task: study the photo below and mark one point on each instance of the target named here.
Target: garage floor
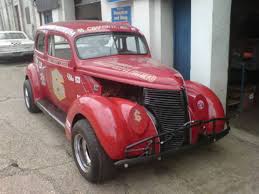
(36, 158)
(248, 120)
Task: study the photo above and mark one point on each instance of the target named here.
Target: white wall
(155, 32)
(210, 44)
(141, 17)
(201, 40)
(29, 29)
(68, 9)
(220, 47)
(7, 13)
(167, 31)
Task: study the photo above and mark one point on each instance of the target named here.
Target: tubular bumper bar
(149, 150)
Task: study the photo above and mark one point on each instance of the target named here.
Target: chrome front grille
(170, 110)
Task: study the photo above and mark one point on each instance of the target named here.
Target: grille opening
(170, 110)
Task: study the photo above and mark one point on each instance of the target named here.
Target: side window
(59, 47)
(40, 46)
(142, 47)
(131, 44)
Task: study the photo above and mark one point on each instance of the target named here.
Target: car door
(60, 70)
(40, 61)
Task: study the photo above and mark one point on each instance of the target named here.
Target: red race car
(117, 105)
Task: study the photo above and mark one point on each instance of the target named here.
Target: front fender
(108, 118)
(213, 109)
(32, 74)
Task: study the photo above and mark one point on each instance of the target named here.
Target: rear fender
(32, 74)
(213, 109)
(109, 119)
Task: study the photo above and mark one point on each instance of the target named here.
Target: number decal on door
(58, 85)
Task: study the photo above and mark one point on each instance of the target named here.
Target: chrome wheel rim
(81, 153)
(27, 99)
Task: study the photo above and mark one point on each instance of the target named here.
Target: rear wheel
(28, 97)
(92, 161)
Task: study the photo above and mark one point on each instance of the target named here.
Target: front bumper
(204, 139)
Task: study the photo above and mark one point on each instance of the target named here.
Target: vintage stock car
(117, 105)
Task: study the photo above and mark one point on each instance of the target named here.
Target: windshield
(101, 45)
(11, 35)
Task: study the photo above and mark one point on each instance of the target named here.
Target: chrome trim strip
(45, 110)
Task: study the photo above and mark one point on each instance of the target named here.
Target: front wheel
(28, 97)
(92, 161)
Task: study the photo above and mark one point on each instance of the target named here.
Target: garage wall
(68, 10)
(167, 31)
(220, 48)
(30, 26)
(7, 15)
(201, 40)
(210, 44)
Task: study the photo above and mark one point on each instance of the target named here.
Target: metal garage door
(182, 37)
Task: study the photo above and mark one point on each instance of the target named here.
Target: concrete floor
(249, 119)
(36, 158)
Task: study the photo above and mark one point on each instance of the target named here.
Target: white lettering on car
(77, 80)
(130, 70)
(41, 69)
(57, 61)
(62, 29)
(70, 77)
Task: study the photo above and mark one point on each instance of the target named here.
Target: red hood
(134, 70)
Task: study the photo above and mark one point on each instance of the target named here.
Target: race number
(58, 85)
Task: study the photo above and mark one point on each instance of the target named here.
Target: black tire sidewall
(99, 159)
(33, 108)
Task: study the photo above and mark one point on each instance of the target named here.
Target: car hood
(135, 70)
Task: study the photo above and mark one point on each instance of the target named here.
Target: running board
(52, 111)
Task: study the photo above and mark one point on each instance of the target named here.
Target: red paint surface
(111, 118)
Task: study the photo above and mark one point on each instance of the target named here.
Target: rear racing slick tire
(28, 97)
(92, 161)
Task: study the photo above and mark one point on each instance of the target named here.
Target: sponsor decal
(129, 69)
(42, 79)
(40, 69)
(62, 29)
(137, 116)
(77, 79)
(58, 85)
(57, 61)
(70, 77)
(105, 28)
(71, 32)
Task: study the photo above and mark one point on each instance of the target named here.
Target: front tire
(28, 97)
(92, 161)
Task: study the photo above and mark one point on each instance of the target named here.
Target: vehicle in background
(15, 44)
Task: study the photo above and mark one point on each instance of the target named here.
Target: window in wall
(40, 46)
(48, 17)
(59, 47)
(17, 18)
(27, 13)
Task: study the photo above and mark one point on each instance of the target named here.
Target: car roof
(76, 27)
